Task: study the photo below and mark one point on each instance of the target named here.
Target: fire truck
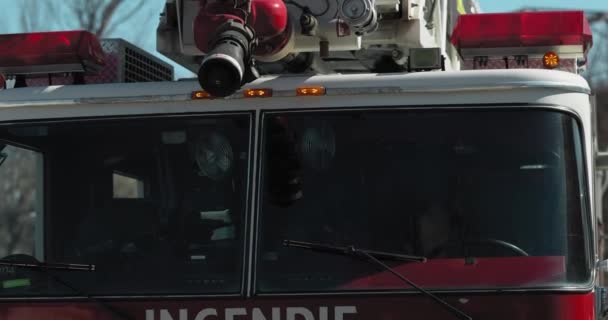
(331, 160)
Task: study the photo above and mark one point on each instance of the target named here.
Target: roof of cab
(457, 81)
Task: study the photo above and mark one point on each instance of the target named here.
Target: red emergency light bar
(523, 29)
(50, 52)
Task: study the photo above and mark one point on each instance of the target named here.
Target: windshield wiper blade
(45, 268)
(49, 266)
(371, 256)
(348, 251)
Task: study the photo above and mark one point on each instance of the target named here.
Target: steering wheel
(480, 242)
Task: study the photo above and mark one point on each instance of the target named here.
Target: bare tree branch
(136, 7)
(17, 201)
(80, 13)
(597, 73)
(106, 15)
(100, 17)
(597, 17)
(91, 9)
(32, 12)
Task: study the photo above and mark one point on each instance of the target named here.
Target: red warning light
(50, 52)
(497, 30)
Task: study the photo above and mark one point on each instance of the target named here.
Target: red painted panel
(485, 272)
(534, 306)
(269, 19)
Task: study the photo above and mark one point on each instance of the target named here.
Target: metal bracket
(413, 9)
(601, 302)
(601, 161)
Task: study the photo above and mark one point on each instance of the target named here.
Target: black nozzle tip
(220, 78)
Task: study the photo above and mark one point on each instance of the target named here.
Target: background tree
(597, 74)
(18, 173)
(17, 201)
(101, 17)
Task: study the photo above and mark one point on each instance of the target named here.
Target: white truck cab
(310, 196)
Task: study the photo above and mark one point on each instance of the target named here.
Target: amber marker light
(200, 95)
(310, 91)
(258, 93)
(551, 60)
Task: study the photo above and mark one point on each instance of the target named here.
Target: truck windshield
(493, 199)
(156, 204)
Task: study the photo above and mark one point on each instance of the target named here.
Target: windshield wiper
(349, 251)
(373, 257)
(45, 268)
(49, 266)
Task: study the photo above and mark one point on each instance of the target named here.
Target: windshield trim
(143, 116)
(247, 207)
(253, 200)
(581, 289)
(130, 297)
(467, 106)
(589, 227)
(250, 200)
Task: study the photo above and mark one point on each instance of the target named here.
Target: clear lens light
(354, 9)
